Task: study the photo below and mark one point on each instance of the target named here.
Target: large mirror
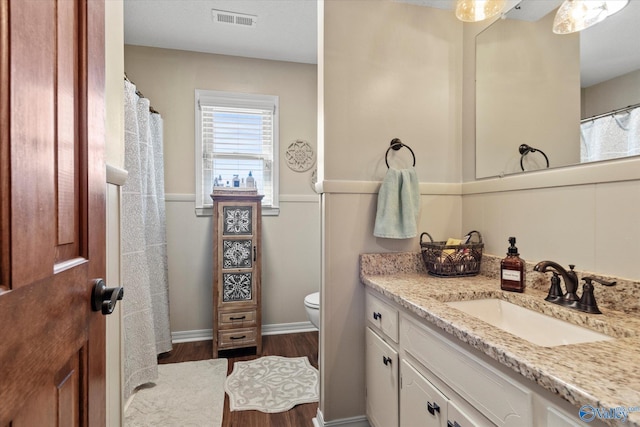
(548, 98)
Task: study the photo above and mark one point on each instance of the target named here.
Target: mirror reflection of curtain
(143, 242)
(610, 137)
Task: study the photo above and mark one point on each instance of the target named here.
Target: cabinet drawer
(500, 399)
(237, 338)
(237, 319)
(382, 316)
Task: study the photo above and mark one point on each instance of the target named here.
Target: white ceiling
(286, 30)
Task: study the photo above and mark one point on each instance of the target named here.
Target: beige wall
(114, 155)
(520, 67)
(611, 94)
(114, 93)
(291, 241)
(390, 70)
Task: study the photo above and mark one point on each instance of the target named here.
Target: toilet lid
(312, 300)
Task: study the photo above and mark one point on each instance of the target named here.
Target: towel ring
(525, 149)
(396, 144)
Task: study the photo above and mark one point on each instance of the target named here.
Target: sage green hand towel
(398, 205)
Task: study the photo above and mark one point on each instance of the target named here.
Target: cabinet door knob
(255, 254)
(386, 360)
(433, 408)
(377, 315)
(452, 424)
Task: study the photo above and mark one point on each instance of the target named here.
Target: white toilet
(312, 306)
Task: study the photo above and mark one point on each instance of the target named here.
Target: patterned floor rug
(272, 384)
(185, 394)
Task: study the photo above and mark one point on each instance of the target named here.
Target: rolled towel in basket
(398, 205)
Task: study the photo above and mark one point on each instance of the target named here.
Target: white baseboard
(275, 329)
(288, 328)
(190, 336)
(360, 421)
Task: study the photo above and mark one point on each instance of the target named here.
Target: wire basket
(445, 260)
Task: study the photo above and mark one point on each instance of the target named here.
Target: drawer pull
(377, 316)
(238, 318)
(386, 360)
(433, 408)
(452, 424)
(238, 338)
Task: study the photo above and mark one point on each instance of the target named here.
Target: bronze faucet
(586, 303)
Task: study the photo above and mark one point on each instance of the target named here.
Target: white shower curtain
(144, 249)
(610, 137)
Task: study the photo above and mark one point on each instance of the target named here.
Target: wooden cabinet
(237, 267)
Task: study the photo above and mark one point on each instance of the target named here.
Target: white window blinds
(238, 139)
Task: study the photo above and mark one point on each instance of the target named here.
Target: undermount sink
(537, 328)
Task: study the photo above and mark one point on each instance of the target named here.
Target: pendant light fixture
(577, 15)
(478, 10)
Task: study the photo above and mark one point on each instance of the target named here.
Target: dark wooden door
(52, 212)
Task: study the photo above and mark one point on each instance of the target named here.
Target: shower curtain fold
(143, 245)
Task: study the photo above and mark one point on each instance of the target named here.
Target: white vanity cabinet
(417, 375)
(422, 404)
(382, 381)
(381, 364)
(504, 402)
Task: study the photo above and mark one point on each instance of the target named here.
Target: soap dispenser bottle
(251, 182)
(512, 269)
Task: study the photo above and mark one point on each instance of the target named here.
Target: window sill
(266, 211)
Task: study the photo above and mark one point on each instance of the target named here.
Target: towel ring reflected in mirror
(525, 149)
(396, 144)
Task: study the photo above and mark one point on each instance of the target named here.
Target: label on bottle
(511, 275)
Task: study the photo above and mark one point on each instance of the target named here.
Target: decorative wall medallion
(236, 287)
(300, 156)
(237, 220)
(236, 253)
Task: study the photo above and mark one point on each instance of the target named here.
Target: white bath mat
(272, 384)
(185, 394)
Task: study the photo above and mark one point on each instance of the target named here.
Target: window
(236, 134)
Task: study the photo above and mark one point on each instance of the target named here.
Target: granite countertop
(602, 374)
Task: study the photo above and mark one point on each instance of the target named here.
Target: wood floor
(288, 345)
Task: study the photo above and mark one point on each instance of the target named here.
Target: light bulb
(576, 15)
(478, 10)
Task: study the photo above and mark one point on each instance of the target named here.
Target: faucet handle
(555, 291)
(587, 301)
(589, 279)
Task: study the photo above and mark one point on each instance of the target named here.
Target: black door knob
(104, 299)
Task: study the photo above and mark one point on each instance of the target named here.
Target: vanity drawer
(233, 338)
(237, 319)
(382, 316)
(500, 399)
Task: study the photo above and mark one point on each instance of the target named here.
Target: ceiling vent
(234, 18)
